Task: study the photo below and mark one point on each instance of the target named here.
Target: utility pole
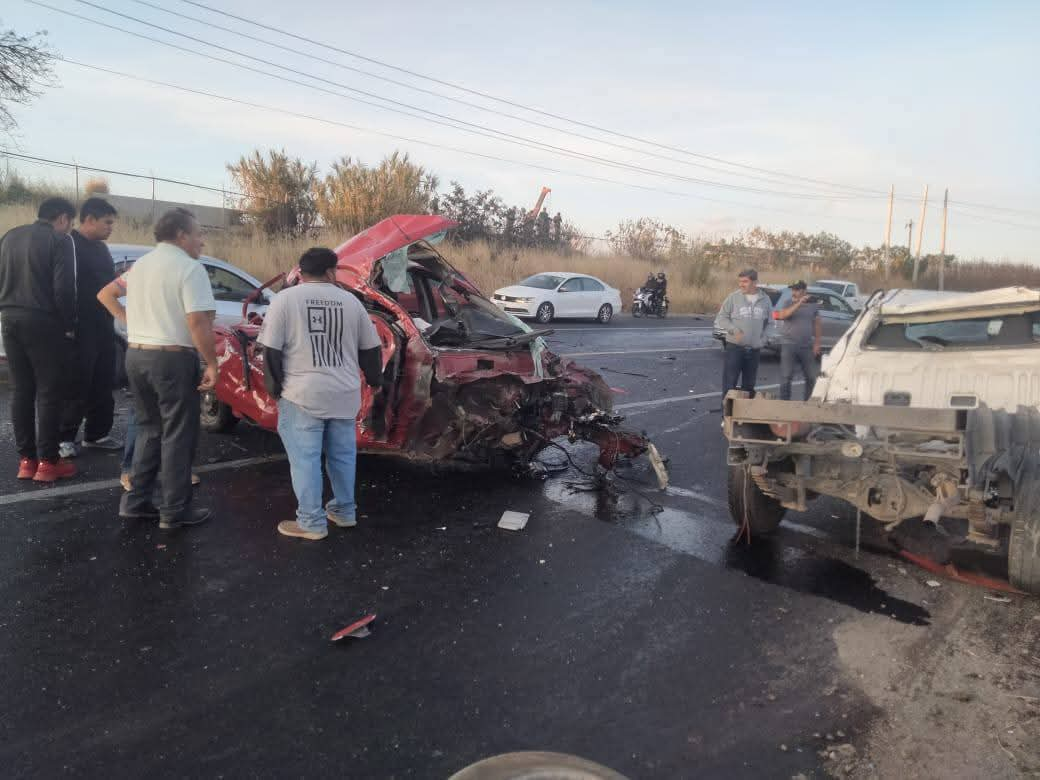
(942, 244)
(77, 181)
(920, 236)
(909, 239)
(888, 227)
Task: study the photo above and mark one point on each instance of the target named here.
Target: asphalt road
(626, 628)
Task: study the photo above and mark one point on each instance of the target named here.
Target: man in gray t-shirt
(800, 333)
(318, 340)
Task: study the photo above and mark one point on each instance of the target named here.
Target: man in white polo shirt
(169, 322)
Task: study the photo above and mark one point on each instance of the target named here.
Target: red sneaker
(52, 472)
(27, 468)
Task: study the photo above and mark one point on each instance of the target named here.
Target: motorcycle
(644, 302)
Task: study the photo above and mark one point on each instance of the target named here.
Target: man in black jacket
(95, 349)
(38, 304)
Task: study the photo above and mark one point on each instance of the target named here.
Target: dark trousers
(166, 402)
(791, 357)
(37, 358)
(91, 396)
(741, 365)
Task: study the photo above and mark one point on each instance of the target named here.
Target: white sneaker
(68, 449)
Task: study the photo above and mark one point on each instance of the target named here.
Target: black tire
(637, 310)
(545, 313)
(215, 416)
(1023, 552)
(605, 314)
(764, 513)
(535, 765)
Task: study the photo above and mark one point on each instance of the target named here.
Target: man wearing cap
(800, 332)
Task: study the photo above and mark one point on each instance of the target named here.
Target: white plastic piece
(514, 521)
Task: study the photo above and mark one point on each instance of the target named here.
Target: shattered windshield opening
(1008, 330)
(445, 311)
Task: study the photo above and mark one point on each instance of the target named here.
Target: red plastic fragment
(354, 630)
(951, 571)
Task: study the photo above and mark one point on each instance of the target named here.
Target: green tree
(645, 239)
(279, 192)
(353, 196)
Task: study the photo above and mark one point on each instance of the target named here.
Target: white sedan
(558, 294)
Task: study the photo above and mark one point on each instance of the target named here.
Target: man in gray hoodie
(745, 317)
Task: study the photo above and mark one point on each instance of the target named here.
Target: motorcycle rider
(661, 290)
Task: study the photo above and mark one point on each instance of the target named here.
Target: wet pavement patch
(769, 561)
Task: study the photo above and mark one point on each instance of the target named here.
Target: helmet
(660, 276)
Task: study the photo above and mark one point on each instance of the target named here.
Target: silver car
(836, 314)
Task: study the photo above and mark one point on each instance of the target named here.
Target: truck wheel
(763, 512)
(536, 765)
(1024, 544)
(216, 417)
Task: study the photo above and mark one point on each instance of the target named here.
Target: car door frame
(570, 299)
(592, 299)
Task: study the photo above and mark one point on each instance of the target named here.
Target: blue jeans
(305, 438)
(741, 364)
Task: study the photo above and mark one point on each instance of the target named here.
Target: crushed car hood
(361, 252)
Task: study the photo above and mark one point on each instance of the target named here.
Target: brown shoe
(195, 480)
(292, 528)
(124, 480)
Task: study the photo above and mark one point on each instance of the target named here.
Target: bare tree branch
(26, 67)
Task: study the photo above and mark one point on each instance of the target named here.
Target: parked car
(836, 315)
(926, 411)
(231, 286)
(463, 381)
(847, 290)
(558, 294)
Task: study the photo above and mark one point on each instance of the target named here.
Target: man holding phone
(800, 334)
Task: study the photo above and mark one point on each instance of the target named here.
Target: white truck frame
(949, 433)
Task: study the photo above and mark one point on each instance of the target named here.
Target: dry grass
(691, 288)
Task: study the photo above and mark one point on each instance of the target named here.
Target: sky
(858, 98)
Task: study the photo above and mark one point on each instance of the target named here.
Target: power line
(362, 129)
(514, 104)
(549, 114)
(1024, 212)
(478, 128)
(467, 103)
(92, 169)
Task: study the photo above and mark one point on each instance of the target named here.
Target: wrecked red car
(464, 382)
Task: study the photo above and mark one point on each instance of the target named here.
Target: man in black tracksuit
(95, 349)
(38, 305)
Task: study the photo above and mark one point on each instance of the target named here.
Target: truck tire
(763, 512)
(536, 765)
(215, 416)
(1024, 544)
